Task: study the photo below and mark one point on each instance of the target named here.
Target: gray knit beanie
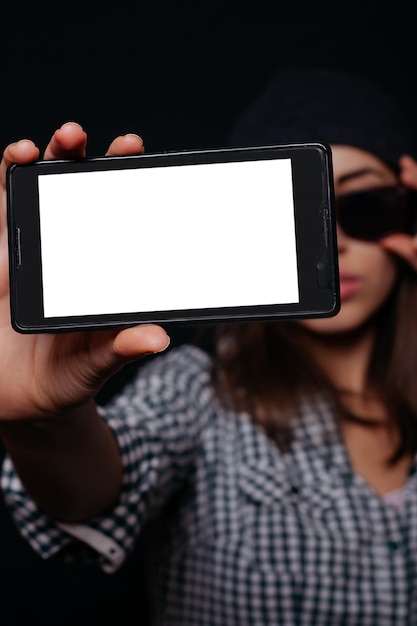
(328, 106)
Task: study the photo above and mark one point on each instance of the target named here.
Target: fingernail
(158, 351)
(164, 348)
(71, 124)
(135, 136)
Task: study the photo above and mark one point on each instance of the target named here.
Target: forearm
(70, 465)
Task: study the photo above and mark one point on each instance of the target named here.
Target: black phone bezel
(314, 223)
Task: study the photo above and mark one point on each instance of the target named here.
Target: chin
(342, 324)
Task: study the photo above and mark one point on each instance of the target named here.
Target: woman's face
(367, 272)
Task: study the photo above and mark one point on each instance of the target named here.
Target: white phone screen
(168, 238)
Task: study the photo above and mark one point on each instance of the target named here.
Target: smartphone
(219, 235)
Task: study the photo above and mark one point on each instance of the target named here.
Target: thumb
(138, 341)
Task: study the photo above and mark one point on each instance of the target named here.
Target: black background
(178, 73)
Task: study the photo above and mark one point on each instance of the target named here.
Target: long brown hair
(264, 368)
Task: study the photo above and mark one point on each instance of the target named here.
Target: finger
(68, 142)
(23, 151)
(126, 144)
(104, 353)
(140, 340)
(408, 171)
(403, 246)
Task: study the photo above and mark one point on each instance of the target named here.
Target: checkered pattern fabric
(237, 532)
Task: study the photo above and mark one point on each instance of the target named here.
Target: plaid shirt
(240, 533)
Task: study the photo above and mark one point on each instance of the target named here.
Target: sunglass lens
(375, 213)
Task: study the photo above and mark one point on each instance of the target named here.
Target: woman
(275, 483)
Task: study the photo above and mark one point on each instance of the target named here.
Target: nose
(342, 238)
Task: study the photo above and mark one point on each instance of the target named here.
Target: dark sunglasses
(375, 213)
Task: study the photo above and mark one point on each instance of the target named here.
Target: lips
(349, 285)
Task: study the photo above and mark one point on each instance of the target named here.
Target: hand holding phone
(44, 375)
